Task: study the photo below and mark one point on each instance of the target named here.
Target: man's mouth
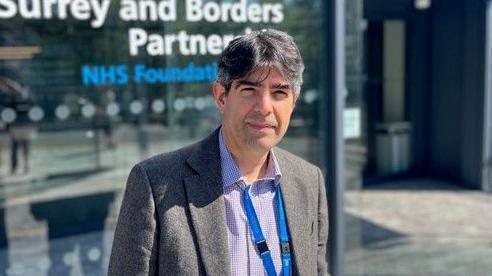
(260, 125)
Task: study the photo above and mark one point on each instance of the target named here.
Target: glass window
(406, 213)
(89, 88)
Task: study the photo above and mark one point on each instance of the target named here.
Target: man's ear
(219, 96)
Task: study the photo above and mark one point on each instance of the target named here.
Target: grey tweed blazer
(172, 220)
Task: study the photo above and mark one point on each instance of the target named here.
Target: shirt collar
(232, 174)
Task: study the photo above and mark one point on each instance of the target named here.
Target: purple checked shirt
(245, 259)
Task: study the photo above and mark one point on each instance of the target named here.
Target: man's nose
(263, 104)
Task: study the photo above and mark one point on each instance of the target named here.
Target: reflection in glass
(85, 131)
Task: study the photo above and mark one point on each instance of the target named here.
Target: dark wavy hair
(261, 49)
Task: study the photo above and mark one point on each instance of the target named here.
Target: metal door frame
(487, 126)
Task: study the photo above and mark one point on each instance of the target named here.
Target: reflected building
(68, 218)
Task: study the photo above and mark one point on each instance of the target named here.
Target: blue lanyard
(259, 239)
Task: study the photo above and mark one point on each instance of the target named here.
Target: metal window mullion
(334, 102)
(487, 126)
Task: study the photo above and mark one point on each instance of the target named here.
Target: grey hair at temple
(261, 49)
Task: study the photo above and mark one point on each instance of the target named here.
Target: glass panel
(398, 221)
(89, 88)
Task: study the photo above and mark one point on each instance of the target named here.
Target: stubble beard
(253, 140)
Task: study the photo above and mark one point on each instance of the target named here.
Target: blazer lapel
(296, 197)
(207, 207)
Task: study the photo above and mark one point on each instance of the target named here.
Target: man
(231, 204)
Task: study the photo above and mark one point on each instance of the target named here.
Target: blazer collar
(207, 207)
(296, 195)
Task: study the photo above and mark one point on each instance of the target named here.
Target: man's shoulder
(293, 162)
(168, 161)
(292, 158)
(172, 157)
(167, 167)
(178, 163)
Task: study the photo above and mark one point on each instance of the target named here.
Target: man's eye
(247, 91)
(280, 94)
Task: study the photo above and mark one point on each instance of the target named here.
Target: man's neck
(252, 169)
(252, 163)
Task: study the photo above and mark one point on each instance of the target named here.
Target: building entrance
(389, 131)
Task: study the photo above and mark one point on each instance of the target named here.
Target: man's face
(256, 111)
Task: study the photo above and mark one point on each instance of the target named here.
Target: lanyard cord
(284, 236)
(259, 239)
